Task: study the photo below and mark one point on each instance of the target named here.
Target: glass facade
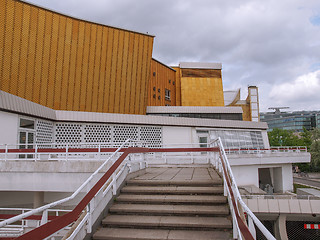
(295, 121)
(238, 139)
(224, 116)
(317, 120)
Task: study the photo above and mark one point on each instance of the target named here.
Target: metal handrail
(229, 180)
(51, 205)
(237, 195)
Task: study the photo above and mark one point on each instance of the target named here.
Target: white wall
(246, 175)
(287, 177)
(8, 128)
(249, 175)
(173, 135)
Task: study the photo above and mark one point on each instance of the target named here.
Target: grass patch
(296, 185)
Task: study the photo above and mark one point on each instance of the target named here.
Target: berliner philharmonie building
(99, 140)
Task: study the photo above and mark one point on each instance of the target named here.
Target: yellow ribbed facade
(201, 92)
(162, 77)
(69, 64)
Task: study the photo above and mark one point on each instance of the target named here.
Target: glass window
(26, 123)
(239, 139)
(167, 94)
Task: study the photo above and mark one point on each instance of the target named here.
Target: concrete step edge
(171, 222)
(135, 182)
(156, 209)
(158, 234)
(166, 199)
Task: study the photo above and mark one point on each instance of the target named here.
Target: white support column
(38, 199)
(280, 227)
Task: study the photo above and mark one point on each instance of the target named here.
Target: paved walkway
(180, 174)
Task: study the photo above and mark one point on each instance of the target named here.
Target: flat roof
(199, 65)
(72, 116)
(193, 109)
(12, 103)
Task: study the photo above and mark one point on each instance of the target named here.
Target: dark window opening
(167, 94)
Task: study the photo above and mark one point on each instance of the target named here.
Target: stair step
(147, 209)
(157, 234)
(141, 182)
(167, 221)
(172, 190)
(189, 199)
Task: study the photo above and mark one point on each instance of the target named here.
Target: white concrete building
(27, 123)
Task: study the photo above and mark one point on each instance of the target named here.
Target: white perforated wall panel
(44, 132)
(68, 133)
(97, 133)
(103, 133)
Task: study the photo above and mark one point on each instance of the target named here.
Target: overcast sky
(273, 44)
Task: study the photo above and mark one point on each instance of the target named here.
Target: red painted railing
(242, 225)
(60, 222)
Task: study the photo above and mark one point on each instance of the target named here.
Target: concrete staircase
(168, 209)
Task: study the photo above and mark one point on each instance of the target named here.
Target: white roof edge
(156, 120)
(199, 65)
(12, 103)
(193, 109)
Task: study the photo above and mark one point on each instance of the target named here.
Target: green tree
(315, 150)
(281, 137)
(306, 137)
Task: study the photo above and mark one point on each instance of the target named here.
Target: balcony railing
(82, 215)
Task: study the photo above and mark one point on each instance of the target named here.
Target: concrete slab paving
(180, 173)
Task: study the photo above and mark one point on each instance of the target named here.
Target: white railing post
(251, 227)
(114, 184)
(44, 218)
(234, 225)
(6, 152)
(67, 152)
(35, 152)
(225, 190)
(90, 209)
(99, 152)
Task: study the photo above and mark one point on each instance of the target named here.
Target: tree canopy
(310, 139)
(280, 137)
